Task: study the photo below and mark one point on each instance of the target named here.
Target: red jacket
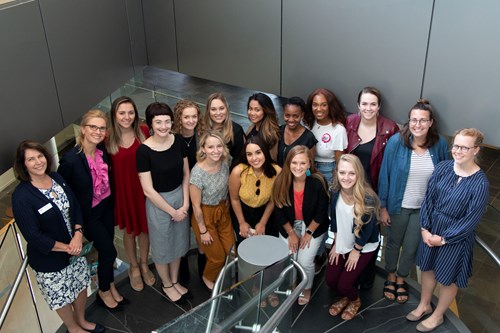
(385, 129)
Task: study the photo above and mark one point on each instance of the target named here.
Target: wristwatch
(443, 241)
(79, 229)
(309, 231)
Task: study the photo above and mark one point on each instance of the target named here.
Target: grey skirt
(169, 240)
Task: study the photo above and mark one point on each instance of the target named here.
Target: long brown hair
(227, 125)
(115, 133)
(366, 201)
(336, 111)
(177, 121)
(269, 128)
(284, 180)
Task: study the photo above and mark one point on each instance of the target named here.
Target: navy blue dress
(452, 208)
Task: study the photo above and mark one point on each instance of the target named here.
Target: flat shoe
(411, 317)
(97, 329)
(135, 281)
(422, 328)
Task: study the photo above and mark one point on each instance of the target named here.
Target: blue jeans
(326, 169)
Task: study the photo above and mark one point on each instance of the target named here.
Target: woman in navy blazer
(300, 197)
(50, 220)
(86, 169)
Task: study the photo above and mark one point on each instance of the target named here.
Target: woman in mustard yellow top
(250, 190)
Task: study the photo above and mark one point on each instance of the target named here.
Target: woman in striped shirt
(410, 157)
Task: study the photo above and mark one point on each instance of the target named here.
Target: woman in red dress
(125, 136)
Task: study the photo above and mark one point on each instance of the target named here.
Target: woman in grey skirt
(164, 174)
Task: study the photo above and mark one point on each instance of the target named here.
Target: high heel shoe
(97, 329)
(181, 301)
(100, 301)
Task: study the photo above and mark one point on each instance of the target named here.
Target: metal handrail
(488, 250)
(13, 290)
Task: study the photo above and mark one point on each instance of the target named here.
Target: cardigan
(76, 171)
(42, 224)
(314, 207)
(370, 230)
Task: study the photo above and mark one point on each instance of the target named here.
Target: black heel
(188, 294)
(100, 301)
(181, 301)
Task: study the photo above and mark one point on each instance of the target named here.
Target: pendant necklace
(188, 143)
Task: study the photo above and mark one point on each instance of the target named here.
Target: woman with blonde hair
(354, 213)
(211, 221)
(125, 135)
(300, 196)
(86, 170)
(218, 117)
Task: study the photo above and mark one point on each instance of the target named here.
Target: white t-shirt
(330, 138)
(344, 242)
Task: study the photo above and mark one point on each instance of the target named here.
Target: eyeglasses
(257, 184)
(461, 148)
(422, 121)
(95, 128)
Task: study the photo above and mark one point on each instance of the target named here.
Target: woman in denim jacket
(409, 159)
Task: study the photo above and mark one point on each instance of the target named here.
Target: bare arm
(195, 194)
(234, 189)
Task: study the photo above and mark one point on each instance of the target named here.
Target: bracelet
(359, 250)
(202, 233)
(79, 229)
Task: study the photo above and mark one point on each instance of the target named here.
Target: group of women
(187, 169)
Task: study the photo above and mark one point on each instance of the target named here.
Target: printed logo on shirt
(326, 138)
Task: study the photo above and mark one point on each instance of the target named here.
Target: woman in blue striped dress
(454, 203)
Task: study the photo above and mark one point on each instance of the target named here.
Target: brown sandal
(148, 277)
(338, 306)
(135, 281)
(352, 309)
(273, 300)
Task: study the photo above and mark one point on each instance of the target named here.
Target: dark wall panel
(462, 77)
(135, 19)
(345, 45)
(90, 49)
(231, 41)
(29, 107)
(159, 24)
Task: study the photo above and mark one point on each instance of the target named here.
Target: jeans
(305, 257)
(403, 238)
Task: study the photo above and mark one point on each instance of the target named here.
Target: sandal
(273, 300)
(387, 290)
(403, 293)
(135, 281)
(338, 306)
(148, 277)
(351, 310)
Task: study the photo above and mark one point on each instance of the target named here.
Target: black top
(307, 139)
(192, 147)
(166, 166)
(364, 152)
(236, 145)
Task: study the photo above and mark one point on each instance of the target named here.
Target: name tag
(44, 208)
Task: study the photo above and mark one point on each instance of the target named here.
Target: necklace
(188, 143)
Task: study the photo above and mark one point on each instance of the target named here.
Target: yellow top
(248, 187)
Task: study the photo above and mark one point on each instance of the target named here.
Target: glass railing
(259, 303)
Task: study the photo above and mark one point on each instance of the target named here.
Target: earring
(308, 172)
(151, 132)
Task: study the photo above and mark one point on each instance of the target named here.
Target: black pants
(252, 217)
(100, 229)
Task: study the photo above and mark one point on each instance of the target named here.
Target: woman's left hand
(260, 229)
(305, 241)
(75, 245)
(352, 260)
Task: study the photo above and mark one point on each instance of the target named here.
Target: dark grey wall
(59, 58)
(444, 50)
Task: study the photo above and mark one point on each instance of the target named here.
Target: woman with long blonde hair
(300, 196)
(354, 213)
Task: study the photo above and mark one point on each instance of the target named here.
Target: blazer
(369, 232)
(385, 129)
(314, 207)
(42, 224)
(76, 171)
